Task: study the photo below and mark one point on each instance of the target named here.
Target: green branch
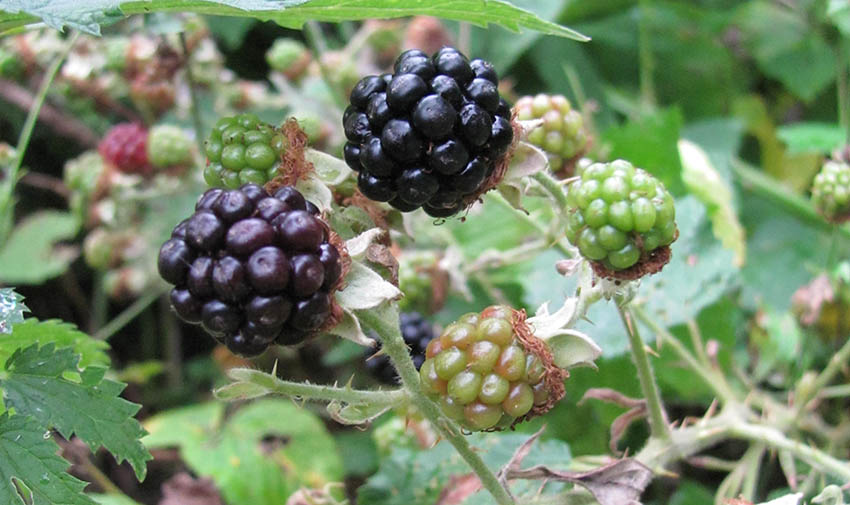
(657, 419)
(394, 346)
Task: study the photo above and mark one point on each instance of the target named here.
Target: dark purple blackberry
(252, 268)
(417, 332)
(412, 133)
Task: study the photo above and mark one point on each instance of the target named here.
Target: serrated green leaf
(29, 255)
(29, 457)
(91, 409)
(706, 183)
(650, 143)
(88, 16)
(62, 334)
(806, 137)
(12, 309)
(279, 445)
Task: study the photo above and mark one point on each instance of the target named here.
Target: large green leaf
(279, 445)
(35, 384)
(28, 457)
(62, 334)
(30, 256)
(88, 16)
(650, 143)
(12, 309)
(411, 476)
(811, 137)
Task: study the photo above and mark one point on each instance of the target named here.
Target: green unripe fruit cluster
(241, 150)
(562, 134)
(288, 56)
(479, 373)
(618, 214)
(831, 190)
(168, 147)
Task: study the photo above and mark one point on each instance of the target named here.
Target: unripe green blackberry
(831, 191)
(621, 218)
(168, 146)
(242, 150)
(482, 373)
(562, 134)
(289, 57)
(11, 66)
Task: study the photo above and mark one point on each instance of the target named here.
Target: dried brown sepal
(553, 377)
(345, 261)
(293, 165)
(375, 213)
(652, 263)
(500, 169)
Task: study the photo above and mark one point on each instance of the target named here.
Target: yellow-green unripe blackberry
(619, 214)
(831, 191)
(241, 150)
(562, 134)
(480, 374)
(168, 146)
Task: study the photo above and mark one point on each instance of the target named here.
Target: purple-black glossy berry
(252, 268)
(412, 132)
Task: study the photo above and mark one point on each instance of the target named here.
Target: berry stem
(130, 313)
(11, 176)
(553, 187)
(193, 95)
(386, 325)
(657, 419)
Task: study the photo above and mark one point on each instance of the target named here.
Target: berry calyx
(254, 268)
(622, 219)
(831, 191)
(431, 135)
(562, 134)
(125, 147)
(488, 371)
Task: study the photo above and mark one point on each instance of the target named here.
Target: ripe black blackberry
(417, 332)
(252, 268)
(429, 135)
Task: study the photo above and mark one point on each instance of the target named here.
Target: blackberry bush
(417, 333)
(562, 135)
(831, 191)
(125, 147)
(252, 268)
(429, 135)
(242, 150)
(621, 218)
(482, 373)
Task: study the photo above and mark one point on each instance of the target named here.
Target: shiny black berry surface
(252, 268)
(417, 332)
(428, 135)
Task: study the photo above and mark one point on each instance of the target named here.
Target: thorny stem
(305, 391)
(193, 95)
(834, 366)
(657, 419)
(394, 346)
(553, 187)
(712, 379)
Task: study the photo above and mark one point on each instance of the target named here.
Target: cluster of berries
(831, 191)
(428, 135)
(252, 268)
(133, 149)
(480, 374)
(562, 134)
(619, 214)
(242, 150)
